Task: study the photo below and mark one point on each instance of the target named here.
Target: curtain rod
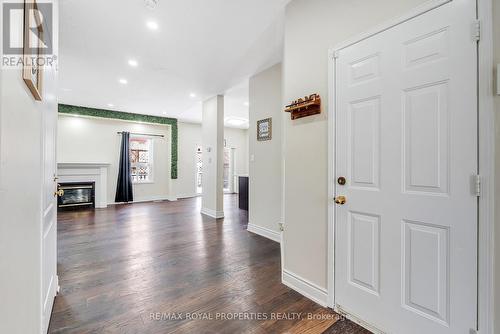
(143, 134)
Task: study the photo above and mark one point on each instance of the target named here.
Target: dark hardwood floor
(164, 268)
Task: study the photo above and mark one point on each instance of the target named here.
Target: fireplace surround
(82, 172)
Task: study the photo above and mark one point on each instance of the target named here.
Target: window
(141, 159)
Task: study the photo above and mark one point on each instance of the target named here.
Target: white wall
(84, 139)
(238, 139)
(189, 139)
(311, 27)
(20, 199)
(265, 188)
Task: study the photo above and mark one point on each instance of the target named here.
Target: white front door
(49, 210)
(406, 143)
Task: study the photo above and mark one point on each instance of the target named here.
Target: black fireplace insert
(77, 195)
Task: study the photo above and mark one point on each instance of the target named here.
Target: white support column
(213, 157)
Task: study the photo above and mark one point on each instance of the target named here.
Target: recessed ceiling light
(164, 113)
(152, 25)
(123, 81)
(192, 95)
(133, 63)
(111, 105)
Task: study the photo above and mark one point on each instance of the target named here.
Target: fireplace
(77, 195)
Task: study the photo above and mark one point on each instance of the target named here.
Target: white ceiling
(205, 47)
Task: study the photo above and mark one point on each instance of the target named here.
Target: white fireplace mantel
(87, 172)
(68, 165)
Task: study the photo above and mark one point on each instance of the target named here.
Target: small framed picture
(32, 70)
(265, 129)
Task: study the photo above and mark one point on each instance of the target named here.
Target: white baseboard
(212, 213)
(264, 232)
(151, 199)
(306, 288)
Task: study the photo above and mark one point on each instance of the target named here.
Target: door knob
(59, 193)
(340, 200)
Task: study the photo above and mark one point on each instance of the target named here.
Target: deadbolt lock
(340, 200)
(341, 180)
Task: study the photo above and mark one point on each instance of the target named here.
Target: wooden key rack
(308, 106)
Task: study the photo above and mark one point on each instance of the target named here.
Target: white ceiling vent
(151, 4)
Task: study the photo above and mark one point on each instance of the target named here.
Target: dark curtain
(124, 185)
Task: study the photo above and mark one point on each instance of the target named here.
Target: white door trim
(417, 11)
(486, 154)
(486, 169)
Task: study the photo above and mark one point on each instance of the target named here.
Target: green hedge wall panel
(110, 114)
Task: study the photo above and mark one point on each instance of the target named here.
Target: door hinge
(476, 30)
(477, 185)
(281, 226)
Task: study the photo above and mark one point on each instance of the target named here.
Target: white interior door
(49, 212)
(406, 143)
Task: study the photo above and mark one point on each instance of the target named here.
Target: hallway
(127, 268)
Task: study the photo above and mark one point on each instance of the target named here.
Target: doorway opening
(229, 170)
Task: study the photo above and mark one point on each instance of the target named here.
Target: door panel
(49, 201)
(406, 141)
(364, 143)
(364, 247)
(426, 138)
(426, 285)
